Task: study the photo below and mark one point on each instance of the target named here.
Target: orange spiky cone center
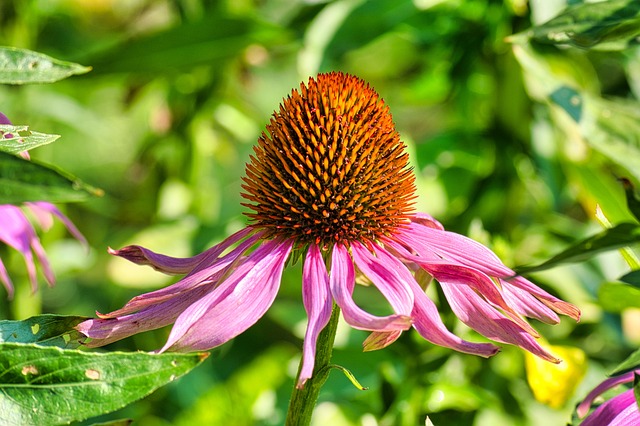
(331, 166)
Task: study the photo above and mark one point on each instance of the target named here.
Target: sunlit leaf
(45, 330)
(621, 235)
(631, 363)
(615, 297)
(15, 139)
(610, 25)
(48, 385)
(20, 66)
(22, 180)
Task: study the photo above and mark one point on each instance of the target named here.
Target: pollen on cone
(330, 167)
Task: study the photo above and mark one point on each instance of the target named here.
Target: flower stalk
(303, 399)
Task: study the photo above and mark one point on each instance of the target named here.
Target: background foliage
(514, 142)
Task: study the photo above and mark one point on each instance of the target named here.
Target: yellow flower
(553, 384)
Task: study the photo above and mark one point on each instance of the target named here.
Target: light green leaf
(15, 139)
(48, 385)
(615, 297)
(631, 363)
(22, 180)
(45, 330)
(21, 66)
(621, 235)
(606, 25)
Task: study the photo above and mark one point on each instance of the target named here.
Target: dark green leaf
(209, 41)
(119, 422)
(20, 66)
(615, 297)
(48, 385)
(612, 24)
(621, 235)
(15, 139)
(22, 180)
(46, 330)
(631, 363)
(633, 201)
(632, 278)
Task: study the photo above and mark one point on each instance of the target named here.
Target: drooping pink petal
(526, 304)
(468, 277)
(235, 304)
(342, 283)
(208, 275)
(427, 220)
(621, 410)
(152, 316)
(40, 207)
(552, 302)
(475, 312)
(17, 232)
(427, 321)
(388, 274)
(607, 384)
(316, 296)
(174, 265)
(6, 281)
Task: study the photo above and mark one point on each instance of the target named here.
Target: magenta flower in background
(621, 410)
(17, 232)
(330, 179)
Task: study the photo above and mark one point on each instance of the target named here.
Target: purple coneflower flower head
(330, 179)
(16, 231)
(621, 410)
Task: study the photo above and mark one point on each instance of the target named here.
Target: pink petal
(607, 384)
(388, 274)
(621, 410)
(41, 206)
(236, 304)
(379, 340)
(316, 296)
(151, 317)
(482, 317)
(560, 306)
(428, 323)
(342, 282)
(526, 304)
(208, 275)
(174, 265)
(427, 220)
(4, 276)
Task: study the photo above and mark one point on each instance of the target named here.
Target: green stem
(303, 401)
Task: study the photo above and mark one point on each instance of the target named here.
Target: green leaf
(15, 139)
(48, 385)
(610, 25)
(615, 297)
(211, 40)
(22, 180)
(632, 278)
(20, 66)
(621, 235)
(631, 363)
(633, 201)
(45, 330)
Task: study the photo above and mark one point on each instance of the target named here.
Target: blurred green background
(180, 91)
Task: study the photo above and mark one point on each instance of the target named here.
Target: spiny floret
(331, 166)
